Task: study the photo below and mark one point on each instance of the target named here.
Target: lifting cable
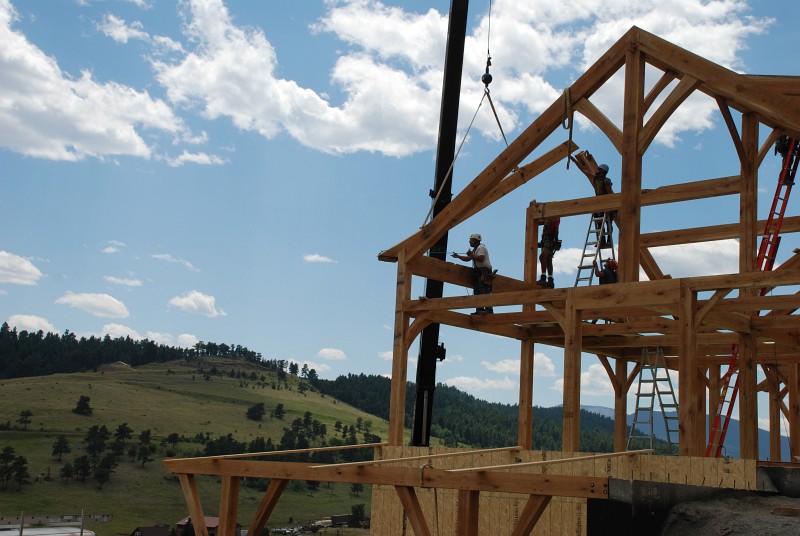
(486, 79)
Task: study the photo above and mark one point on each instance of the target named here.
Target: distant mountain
(731, 445)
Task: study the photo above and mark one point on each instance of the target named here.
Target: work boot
(542, 281)
(551, 283)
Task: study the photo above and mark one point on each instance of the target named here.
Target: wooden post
(690, 436)
(228, 506)
(714, 390)
(620, 405)
(571, 429)
(525, 408)
(468, 512)
(631, 180)
(192, 496)
(748, 201)
(794, 410)
(397, 402)
(773, 388)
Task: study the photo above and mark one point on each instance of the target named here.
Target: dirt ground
(748, 515)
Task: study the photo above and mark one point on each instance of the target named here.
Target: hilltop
(199, 400)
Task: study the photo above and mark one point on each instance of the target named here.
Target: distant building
(159, 530)
(46, 531)
(212, 524)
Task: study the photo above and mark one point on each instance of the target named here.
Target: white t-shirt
(480, 249)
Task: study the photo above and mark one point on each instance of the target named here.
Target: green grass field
(164, 398)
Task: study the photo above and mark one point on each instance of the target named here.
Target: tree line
(27, 353)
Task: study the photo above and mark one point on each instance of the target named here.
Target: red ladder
(767, 252)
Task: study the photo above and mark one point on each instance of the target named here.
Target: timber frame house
(695, 320)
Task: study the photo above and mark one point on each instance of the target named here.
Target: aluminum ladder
(654, 382)
(598, 238)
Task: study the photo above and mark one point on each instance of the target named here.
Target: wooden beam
(571, 429)
(742, 92)
(593, 114)
(748, 402)
(557, 461)
(410, 502)
(734, 132)
(793, 407)
(710, 233)
(468, 516)
(658, 87)
(192, 497)
(688, 431)
(228, 506)
(650, 266)
(397, 400)
(534, 508)
(526, 351)
(685, 87)
(621, 404)
(267, 505)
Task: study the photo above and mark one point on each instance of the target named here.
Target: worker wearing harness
(482, 274)
(549, 244)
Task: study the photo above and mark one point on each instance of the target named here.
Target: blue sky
(228, 171)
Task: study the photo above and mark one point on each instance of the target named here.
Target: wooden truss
(695, 320)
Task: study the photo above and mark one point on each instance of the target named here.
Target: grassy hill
(175, 397)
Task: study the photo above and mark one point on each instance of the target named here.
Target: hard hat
(476, 236)
(603, 168)
(612, 263)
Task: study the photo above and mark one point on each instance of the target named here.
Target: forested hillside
(462, 419)
(458, 418)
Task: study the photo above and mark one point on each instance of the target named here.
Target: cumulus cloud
(386, 356)
(387, 73)
(120, 31)
(197, 303)
(594, 382)
(316, 258)
(332, 354)
(396, 56)
(702, 258)
(169, 258)
(122, 281)
(468, 383)
(31, 323)
(100, 305)
(187, 340)
(116, 331)
(17, 270)
(542, 366)
(50, 114)
(319, 367)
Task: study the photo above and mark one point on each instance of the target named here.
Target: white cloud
(31, 323)
(319, 367)
(388, 73)
(116, 331)
(114, 246)
(387, 355)
(118, 30)
(332, 354)
(50, 114)
(122, 281)
(468, 383)
(542, 366)
(202, 159)
(594, 382)
(187, 340)
(161, 338)
(100, 305)
(702, 258)
(316, 258)
(396, 56)
(17, 270)
(197, 303)
(169, 258)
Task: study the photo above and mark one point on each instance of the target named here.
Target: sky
(228, 171)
